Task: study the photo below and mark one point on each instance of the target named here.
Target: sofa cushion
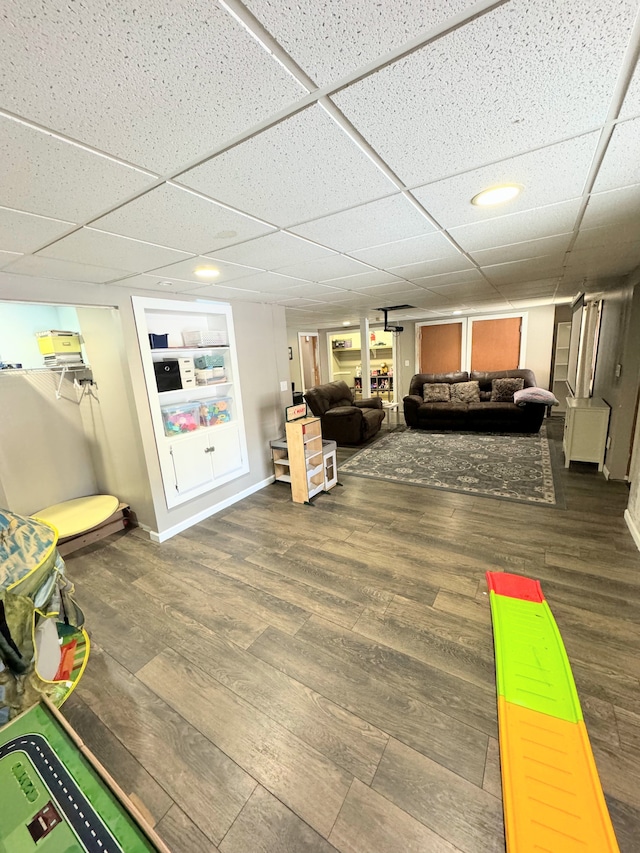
(502, 390)
(480, 411)
(436, 392)
(444, 411)
(465, 392)
(420, 379)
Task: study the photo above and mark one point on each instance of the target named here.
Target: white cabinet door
(225, 451)
(192, 463)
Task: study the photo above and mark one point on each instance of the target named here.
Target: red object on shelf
(515, 586)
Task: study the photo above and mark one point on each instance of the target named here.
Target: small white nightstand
(585, 430)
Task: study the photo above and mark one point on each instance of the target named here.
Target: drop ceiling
(323, 156)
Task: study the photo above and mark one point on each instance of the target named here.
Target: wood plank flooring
(292, 679)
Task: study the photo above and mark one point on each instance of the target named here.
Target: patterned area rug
(509, 466)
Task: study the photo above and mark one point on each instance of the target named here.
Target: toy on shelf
(180, 419)
(213, 412)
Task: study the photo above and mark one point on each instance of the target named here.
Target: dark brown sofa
(344, 420)
(484, 416)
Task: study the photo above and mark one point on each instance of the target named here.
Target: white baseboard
(207, 513)
(635, 533)
(606, 472)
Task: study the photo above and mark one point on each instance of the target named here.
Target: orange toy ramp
(552, 795)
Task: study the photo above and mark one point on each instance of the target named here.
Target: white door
(225, 451)
(192, 463)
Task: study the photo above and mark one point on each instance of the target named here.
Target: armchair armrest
(369, 403)
(342, 412)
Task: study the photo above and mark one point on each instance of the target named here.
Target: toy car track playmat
(56, 798)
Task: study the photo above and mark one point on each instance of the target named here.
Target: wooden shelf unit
(305, 459)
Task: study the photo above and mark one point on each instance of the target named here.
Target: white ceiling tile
(615, 207)
(273, 251)
(315, 290)
(414, 250)
(403, 290)
(383, 221)
(88, 246)
(532, 303)
(324, 269)
(522, 288)
(185, 271)
(461, 277)
(527, 225)
(528, 269)
(631, 104)
(146, 281)
(169, 83)
(38, 265)
(297, 302)
(607, 237)
(437, 266)
(178, 218)
(330, 39)
(46, 175)
(8, 257)
(24, 232)
(220, 291)
(313, 169)
(464, 292)
(493, 88)
(521, 251)
(267, 282)
(621, 164)
(365, 279)
(548, 175)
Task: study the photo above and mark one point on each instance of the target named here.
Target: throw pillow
(485, 396)
(502, 390)
(465, 392)
(535, 395)
(436, 392)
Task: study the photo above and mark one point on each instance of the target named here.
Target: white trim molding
(633, 530)
(207, 513)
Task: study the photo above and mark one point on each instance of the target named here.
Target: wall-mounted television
(577, 315)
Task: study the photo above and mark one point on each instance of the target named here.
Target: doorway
(309, 361)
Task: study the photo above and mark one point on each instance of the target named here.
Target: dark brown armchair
(345, 420)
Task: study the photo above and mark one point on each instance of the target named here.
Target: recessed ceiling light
(165, 283)
(496, 195)
(206, 272)
(457, 312)
(346, 322)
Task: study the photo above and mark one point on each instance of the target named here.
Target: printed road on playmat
(52, 799)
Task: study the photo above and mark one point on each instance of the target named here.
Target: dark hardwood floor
(283, 678)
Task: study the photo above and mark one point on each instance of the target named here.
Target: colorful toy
(217, 411)
(180, 419)
(552, 797)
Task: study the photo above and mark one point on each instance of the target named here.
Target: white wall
(44, 453)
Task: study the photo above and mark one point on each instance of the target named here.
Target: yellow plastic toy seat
(70, 518)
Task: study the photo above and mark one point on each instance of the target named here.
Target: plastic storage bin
(158, 341)
(181, 418)
(205, 338)
(216, 411)
(206, 362)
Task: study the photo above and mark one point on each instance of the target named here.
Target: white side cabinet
(191, 372)
(585, 431)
